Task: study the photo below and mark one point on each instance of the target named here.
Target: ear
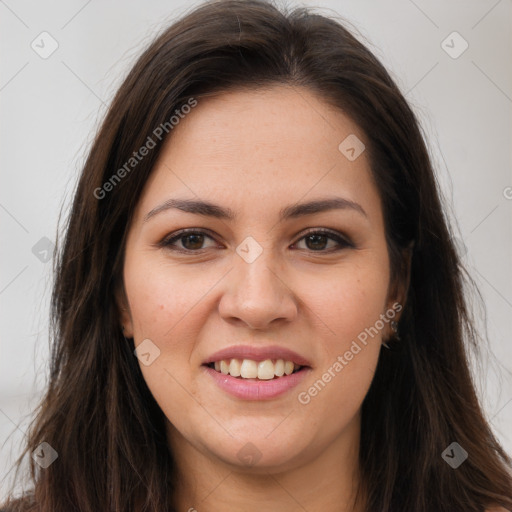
(124, 314)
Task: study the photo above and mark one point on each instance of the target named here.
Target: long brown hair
(98, 413)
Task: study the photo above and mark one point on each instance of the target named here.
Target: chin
(260, 459)
(261, 447)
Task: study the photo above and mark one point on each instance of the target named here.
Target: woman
(258, 304)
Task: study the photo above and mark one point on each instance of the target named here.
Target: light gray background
(51, 107)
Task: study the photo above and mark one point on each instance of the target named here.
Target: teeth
(224, 367)
(266, 370)
(235, 367)
(279, 368)
(288, 367)
(249, 369)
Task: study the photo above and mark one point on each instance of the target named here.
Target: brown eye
(194, 241)
(186, 241)
(317, 241)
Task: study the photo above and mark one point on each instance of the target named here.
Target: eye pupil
(316, 238)
(192, 242)
(199, 239)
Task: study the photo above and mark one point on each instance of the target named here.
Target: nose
(257, 295)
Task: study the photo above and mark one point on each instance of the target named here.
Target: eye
(192, 240)
(316, 241)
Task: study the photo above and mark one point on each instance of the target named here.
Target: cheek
(165, 305)
(351, 313)
(161, 297)
(350, 304)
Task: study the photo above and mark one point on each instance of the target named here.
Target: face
(259, 281)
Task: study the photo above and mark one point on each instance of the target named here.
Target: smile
(270, 385)
(250, 369)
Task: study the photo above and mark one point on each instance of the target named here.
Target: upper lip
(257, 354)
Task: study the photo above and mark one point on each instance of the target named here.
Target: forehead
(260, 148)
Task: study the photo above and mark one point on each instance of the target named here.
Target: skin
(257, 152)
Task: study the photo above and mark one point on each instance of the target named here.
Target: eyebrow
(208, 209)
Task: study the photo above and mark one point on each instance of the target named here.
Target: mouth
(257, 363)
(250, 373)
(251, 369)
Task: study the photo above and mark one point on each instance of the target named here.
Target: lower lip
(253, 389)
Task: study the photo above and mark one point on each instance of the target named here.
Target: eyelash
(343, 243)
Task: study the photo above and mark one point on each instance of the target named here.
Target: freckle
(161, 306)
